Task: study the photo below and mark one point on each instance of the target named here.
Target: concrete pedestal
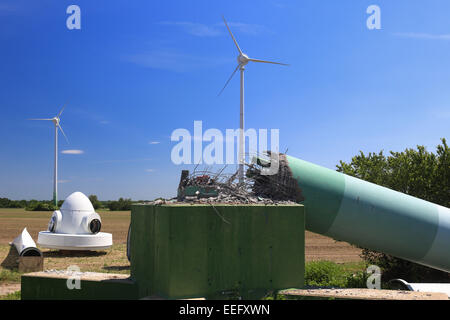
(189, 251)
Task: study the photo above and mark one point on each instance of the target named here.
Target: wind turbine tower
(242, 60)
(56, 121)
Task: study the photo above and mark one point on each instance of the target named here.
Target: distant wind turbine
(56, 121)
(242, 59)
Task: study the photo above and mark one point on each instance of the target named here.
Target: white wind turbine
(56, 121)
(242, 59)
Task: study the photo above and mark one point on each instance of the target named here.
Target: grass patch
(113, 260)
(327, 274)
(7, 276)
(11, 296)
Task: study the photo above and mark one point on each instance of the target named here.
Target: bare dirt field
(8, 288)
(318, 247)
(12, 222)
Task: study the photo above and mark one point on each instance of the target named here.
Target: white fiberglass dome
(77, 216)
(77, 201)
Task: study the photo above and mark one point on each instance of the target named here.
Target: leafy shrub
(356, 280)
(9, 276)
(31, 205)
(7, 203)
(12, 296)
(94, 200)
(120, 205)
(393, 268)
(331, 274)
(41, 206)
(324, 274)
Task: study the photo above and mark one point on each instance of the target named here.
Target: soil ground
(318, 247)
(8, 288)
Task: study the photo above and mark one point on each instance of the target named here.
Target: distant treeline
(122, 204)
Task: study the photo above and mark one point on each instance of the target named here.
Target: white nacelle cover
(25, 244)
(75, 215)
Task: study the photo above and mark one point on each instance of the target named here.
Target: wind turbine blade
(231, 34)
(264, 61)
(228, 80)
(59, 114)
(60, 128)
(40, 119)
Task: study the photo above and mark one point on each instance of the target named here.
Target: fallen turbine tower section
(362, 213)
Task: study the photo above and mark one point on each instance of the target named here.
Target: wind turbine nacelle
(242, 59)
(75, 226)
(76, 216)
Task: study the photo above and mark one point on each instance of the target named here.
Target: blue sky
(137, 70)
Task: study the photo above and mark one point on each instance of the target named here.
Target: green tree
(7, 203)
(41, 206)
(120, 205)
(94, 200)
(416, 172)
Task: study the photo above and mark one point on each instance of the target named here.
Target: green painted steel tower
(374, 217)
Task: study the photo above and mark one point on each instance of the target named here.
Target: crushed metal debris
(204, 186)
